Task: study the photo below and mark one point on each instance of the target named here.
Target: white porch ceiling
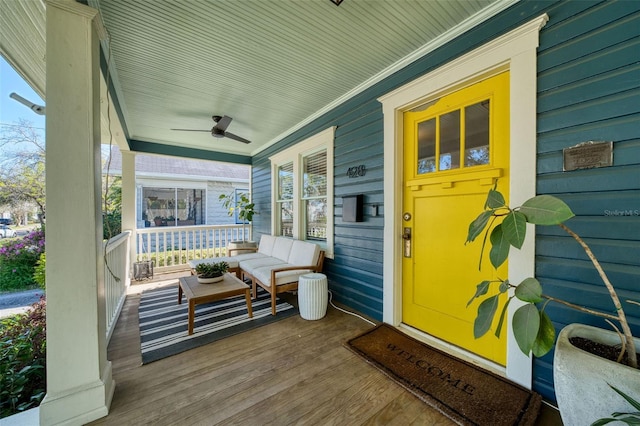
(270, 65)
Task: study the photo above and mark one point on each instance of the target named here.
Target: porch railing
(116, 277)
(173, 247)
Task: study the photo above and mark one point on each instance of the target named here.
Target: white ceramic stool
(313, 294)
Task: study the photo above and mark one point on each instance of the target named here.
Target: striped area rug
(163, 322)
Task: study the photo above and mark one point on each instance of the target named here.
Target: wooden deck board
(289, 372)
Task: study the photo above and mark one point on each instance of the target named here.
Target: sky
(11, 110)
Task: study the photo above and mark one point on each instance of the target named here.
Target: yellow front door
(455, 149)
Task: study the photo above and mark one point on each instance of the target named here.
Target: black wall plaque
(587, 155)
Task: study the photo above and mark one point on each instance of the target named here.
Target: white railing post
(116, 277)
(171, 247)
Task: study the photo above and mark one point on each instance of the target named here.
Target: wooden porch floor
(290, 372)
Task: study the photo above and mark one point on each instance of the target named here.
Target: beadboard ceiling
(271, 65)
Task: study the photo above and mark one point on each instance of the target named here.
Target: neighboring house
(172, 191)
(533, 80)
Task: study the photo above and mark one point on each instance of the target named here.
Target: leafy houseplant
(532, 327)
(631, 418)
(212, 270)
(242, 205)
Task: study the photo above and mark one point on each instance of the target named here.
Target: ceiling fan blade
(224, 122)
(192, 130)
(236, 137)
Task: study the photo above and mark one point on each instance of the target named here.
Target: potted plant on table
(245, 209)
(212, 272)
(532, 328)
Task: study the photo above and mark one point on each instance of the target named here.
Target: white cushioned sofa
(276, 266)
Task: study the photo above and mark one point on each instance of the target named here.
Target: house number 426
(356, 171)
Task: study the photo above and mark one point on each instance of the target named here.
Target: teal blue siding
(355, 276)
(588, 89)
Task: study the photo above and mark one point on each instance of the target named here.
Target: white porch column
(79, 382)
(129, 205)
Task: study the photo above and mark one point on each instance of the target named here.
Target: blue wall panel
(588, 89)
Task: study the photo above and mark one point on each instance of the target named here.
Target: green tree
(112, 206)
(22, 175)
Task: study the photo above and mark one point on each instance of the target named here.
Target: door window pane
(450, 140)
(476, 134)
(427, 146)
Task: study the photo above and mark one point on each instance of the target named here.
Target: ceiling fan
(220, 129)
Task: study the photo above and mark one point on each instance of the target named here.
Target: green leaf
(546, 336)
(477, 226)
(499, 247)
(481, 290)
(635, 404)
(632, 420)
(486, 312)
(601, 422)
(514, 227)
(504, 286)
(526, 322)
(546, 210)
(503, 315)
(529, 290)
(495, 200)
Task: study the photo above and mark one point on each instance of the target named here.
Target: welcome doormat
(459, 390)
(163, 322)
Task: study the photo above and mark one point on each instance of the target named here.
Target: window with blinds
(314, 195)
(302, 185)
(284, 200)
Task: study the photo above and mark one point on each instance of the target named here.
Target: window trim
(319, 142)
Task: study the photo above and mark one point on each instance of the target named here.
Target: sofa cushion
(303, 253)
(263, 274)
(266, 244)
(250, 265)
(282, 248)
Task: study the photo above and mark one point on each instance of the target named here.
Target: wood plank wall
(588, 89)
(355, 273)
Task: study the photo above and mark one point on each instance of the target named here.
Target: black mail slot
(352, 208)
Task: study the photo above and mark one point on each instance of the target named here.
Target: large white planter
(580, 378)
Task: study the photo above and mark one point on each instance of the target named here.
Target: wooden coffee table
(197, 293)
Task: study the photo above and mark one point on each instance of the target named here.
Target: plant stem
(581, 308)
(631, 348)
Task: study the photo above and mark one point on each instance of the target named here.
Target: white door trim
(516, 52)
